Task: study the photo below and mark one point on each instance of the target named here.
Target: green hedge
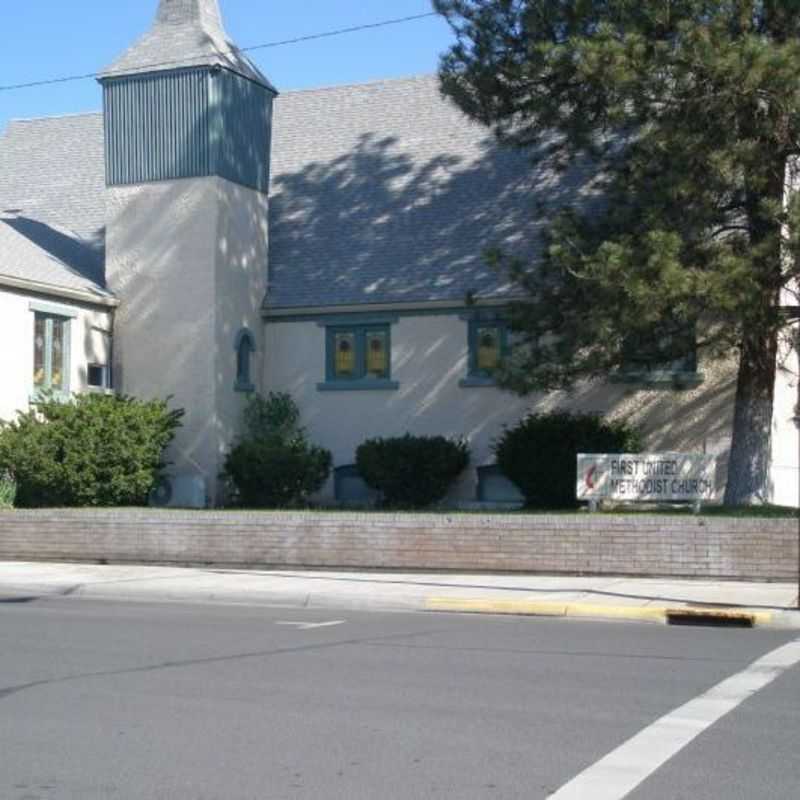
(411, 471)
(540, 453)
(95, 450)
(8, 491)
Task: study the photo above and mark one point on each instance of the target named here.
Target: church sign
(646, 477)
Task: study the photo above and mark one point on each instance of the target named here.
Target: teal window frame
(50, 315)
(244, 347)
(360, 379)
(475, 375)
(657, 369)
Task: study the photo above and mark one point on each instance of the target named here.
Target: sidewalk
(654, 600)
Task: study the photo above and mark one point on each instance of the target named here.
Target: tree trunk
(751, 442)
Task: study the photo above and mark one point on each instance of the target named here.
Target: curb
(661, 614)
(665, 615)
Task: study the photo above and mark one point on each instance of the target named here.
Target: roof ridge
(48, 117)
(336, 86)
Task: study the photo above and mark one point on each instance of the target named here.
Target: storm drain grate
(718, 618)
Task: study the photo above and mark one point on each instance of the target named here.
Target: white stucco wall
(241, 283)
(89, 343)
(785, 477)
(187, 259)
(429, 358)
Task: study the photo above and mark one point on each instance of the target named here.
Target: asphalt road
(104, 700)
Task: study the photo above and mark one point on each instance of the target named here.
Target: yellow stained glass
(488, 349)
(38, 351)
(377, 356)
(57, 369)
(345, 355)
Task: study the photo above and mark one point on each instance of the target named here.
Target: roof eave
(65, 292)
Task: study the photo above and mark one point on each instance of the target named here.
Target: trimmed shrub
(8, 491)
(540, 453)
(273, 465)
(95, 450)
(411, 471)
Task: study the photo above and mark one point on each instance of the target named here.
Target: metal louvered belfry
(184, 102)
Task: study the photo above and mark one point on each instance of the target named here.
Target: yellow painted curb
(496, 606)
(641, 613)
(538, 608)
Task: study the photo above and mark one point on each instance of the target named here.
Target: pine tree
(690, 110)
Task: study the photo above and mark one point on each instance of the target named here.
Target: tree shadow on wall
(382, 223)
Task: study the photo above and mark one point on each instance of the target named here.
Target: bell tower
(187, 151)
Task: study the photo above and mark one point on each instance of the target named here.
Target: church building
(205, 237)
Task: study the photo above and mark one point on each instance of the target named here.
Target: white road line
(622, 770)
(307, 626)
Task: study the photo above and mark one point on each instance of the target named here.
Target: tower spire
(185, 33)
(181, 12)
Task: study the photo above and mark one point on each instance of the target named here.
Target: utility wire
(296, 40)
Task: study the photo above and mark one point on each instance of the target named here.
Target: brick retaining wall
(754, 549)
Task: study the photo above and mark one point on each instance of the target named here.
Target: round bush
(540, 453)
(274, 465)
(411, 471)
(274, 475)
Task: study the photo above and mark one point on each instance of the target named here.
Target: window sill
(358, 386)
(474, 381)
(245, 388)
(660, 379)
(43, 396)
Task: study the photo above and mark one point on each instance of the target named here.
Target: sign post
(646, 477)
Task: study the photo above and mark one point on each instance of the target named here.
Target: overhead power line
(297, 40)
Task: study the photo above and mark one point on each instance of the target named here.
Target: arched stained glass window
(245, 346)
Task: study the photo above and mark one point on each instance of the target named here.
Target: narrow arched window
(245, 346)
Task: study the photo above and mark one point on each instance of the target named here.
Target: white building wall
(161, 262)
(90, 342)
(187, 259)
(785, 478)
(429, 358)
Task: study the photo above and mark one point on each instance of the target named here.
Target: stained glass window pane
(57, 371)
(39, 336)
(488, 349)
(345, 355)
(377, 354)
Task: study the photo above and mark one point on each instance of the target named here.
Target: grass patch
(757, 512)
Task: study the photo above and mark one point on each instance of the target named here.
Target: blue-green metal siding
(187, 123)
(157, 127)
(241, 129)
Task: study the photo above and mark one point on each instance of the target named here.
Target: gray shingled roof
(52, 205)
(186, 33)
(386, 193)
(380, 192)
(23, 256)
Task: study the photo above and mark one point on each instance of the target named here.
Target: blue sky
(41, 39)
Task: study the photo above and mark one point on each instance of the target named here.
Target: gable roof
(380, 193)
(51, 202)
(386, 193)
(185, 33)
